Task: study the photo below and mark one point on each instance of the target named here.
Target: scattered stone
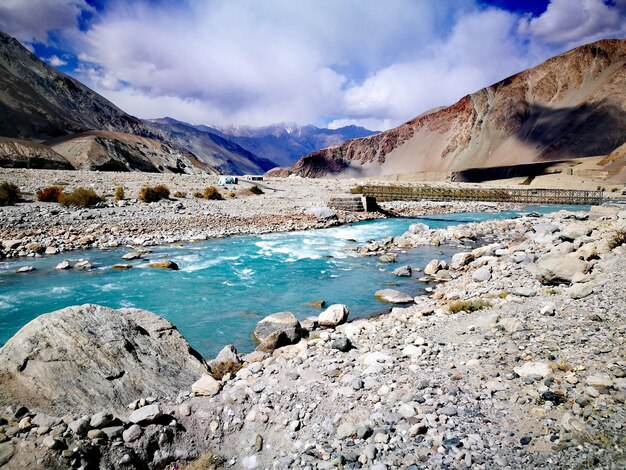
(132, 433)
(538, 368)
(342, 344)
(206, 385)
(147, 414)
(282, 321)
(482, 274)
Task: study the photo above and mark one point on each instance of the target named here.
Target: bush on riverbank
(154, 193)
(119, 193)
(9, 194)
(80, 197)
(468, 305)
(619, 238)
(211, 192)
(256, 190)
(50, 194)
(222, 368)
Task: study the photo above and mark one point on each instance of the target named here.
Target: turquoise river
(225, 286)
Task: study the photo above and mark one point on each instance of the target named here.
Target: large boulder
(557, 269)
(333, 316)
(86, 358)
(281, 321)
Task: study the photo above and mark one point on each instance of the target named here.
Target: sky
(374, 63)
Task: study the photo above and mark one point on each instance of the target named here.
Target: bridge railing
(440, 193)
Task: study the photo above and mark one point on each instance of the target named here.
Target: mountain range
(51, 120)
(572, 106)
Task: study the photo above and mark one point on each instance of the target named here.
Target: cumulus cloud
(325, 62)
(574, 23)
(31, 21)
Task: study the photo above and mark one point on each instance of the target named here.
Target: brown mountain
(571, 106)
(41, 105)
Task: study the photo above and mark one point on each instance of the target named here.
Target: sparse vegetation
(256, 190)
(9, 194)
(198, 194)
(618, 239)
(50, 194)
(211, 193)
(80, 197)
(468, 305)
(356, 190)
(222, 368)
(503, 295)
(551, 291)
(562, 365)
(180, 194)
(119, 193)
(206, 461)
(154, 193)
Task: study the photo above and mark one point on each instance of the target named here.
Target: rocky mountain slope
(116, 151)
(211, 148)
(284, 144)
(39, 103)
(571, 106)
(16, 153)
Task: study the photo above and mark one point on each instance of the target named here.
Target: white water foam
(206, 263)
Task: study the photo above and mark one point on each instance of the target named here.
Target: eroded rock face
(86, 358)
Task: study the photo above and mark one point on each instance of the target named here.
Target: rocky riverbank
(34, 228)
(514, 360)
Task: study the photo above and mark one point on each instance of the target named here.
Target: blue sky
(325, 62)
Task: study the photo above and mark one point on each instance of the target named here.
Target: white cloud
(56, 61)
(363, 62)
(572, 23)
(251, 62)
(30, 21)
(479, 51)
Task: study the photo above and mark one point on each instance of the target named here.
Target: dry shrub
(254, 189)
(180, 194)
(154, 193)
(198, 194)
(9, 194)
(222, 368)
(50, 194)
(119, 193)
(206, 461)
(211, 192)
(618, 239)
(80, 197)
(468, 305)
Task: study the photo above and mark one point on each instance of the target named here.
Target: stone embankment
(511, 361)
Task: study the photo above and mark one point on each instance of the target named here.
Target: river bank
(533, 378)
(287, 204)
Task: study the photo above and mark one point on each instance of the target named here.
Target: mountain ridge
(571, 106)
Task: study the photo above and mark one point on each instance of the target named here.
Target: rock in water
(167, 264)
(88, 358)
(393, 296)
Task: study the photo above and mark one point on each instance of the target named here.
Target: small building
(253, 177)
(229, 180)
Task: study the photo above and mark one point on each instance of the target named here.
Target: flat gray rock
(87, 358)
(393, 296)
